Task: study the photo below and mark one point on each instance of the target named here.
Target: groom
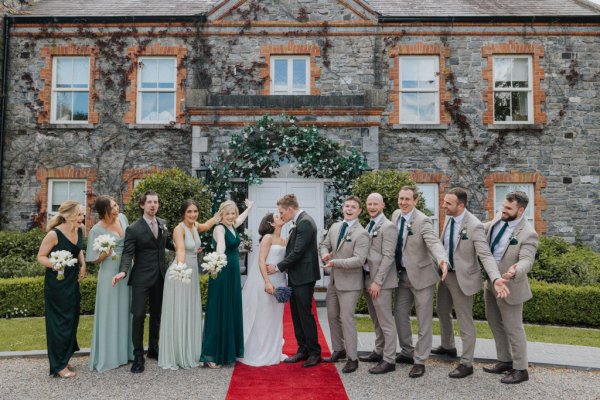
(145, 242)
(301, 263)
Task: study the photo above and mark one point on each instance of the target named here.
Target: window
(60, 190)
(70, 89)
(430, 193)
(419, 90)
(513, 96)
(500, 191)
(290, 75)
(156, 90)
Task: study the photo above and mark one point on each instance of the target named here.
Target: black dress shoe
(296, 358)
(373, 357)
(312, 361)
(400, 359)
(461, 371)
(440, 350)
(152, 354)
(417, 371)
(383, 368)
(351, 366)
(138, 365)
(499, 368)
(336, 356)
(516, 376)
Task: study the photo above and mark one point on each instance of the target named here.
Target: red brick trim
(539, 202)
(129, 177)
(290, 48)
(42, 175)
(443, 182)
(134, 54)
(418, 49)
(511, 48)
(45, 94)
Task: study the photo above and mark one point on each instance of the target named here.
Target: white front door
(310, 194)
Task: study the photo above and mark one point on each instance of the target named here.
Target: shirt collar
(149, 220)
(513, 224)
(458, 219)
(352, 222)
(377, 218)
(296, 216)
(408, 216)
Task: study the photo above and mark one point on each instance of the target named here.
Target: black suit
(146, 278)
(301, 263)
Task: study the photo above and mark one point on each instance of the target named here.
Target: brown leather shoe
(499, 367)
(312, 361)
(442, 351)
(373, 357)
(336, 356)
(296, 358)
(417, 371)
(400, 359)
(516, 376)
(351, 366)
(383, 368)
(461, 371)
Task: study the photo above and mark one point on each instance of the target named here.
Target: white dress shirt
(457, 222)
(376, 220)
(504, 240)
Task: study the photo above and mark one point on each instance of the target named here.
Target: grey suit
(463, 281)
(505, 316)
(382, 270)
(345, 284)
(416, 283)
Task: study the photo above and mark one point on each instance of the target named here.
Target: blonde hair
(226, 206)
(67, 211)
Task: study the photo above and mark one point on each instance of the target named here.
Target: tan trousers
(341, 305)
(380, 311)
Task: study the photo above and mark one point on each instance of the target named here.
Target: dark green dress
(223, 334)
(62, 298)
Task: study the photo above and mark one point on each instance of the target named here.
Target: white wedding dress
(263, 315)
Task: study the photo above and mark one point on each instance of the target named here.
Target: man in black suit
(301, 263)
(145, 241)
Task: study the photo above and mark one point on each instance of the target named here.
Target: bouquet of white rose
(214, 263)
(60, 260)
(180, 272)
(105, 244)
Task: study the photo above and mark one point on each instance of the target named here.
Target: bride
(263, 315)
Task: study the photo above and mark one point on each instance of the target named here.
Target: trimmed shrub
(21, 244)
(14, 266)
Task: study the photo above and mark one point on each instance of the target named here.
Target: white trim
(51, 182)
(528, 89)
(141, 90)
(435, 90)
(55, 90)
(290, 74)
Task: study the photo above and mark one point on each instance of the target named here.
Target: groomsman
(344, 250)
(416, 249)
(380, 282)
(464, 240)
(513, 243)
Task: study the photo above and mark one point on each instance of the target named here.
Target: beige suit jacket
(521, 253)
(420, 249)
(347, 258)
(471, 244)
(380, 259)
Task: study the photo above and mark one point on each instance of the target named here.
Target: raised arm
(242, 217)
(208, 225)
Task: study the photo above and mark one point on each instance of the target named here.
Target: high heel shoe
(65, 374)
(212, 365)
(70, 367)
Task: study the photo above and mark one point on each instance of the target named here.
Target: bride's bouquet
(180, 272)
(105, 244)
(214, 263)
(60, 260)
(282, 294)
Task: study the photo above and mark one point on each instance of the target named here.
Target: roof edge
(495, 18)
(33, 19)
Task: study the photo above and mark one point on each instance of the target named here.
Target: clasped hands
(327, 263)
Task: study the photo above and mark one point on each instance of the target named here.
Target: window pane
(81, 73)
(409, 70)
(409, 110)
(502, 67)
(80, 106)
(77, 192)
(427, 107)
(60, 193)
(519, 106)
(427, 74)
(502, 106)
(520, 75)
(63, 106)
(149, 68)
(299, 78)
(430, 196)
(148, 107)
(166, 74)
(166, 107)
(280, 77)
(64, 72)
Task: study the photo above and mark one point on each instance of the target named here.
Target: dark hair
(460, 193)
(520, 197)
(412, 189)
(102, 205)
(266, 226)
(143, 197)
(353, 198)
(289, 200)
(186, 204)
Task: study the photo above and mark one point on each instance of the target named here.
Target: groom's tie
(341, 235)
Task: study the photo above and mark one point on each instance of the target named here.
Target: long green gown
(111, 338)
(223, 335)
(61, 305)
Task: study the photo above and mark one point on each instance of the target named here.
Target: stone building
(490, 96)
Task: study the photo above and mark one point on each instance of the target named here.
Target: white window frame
(436, 90)
(51, 182)
(528, 89)
(435, 218)
(140, 91)
(55, 90)
(290, 73)
(529, 190)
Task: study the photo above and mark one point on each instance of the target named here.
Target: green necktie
(370, 227)
(451, 244)
(399, 245)
(498, 237)
(341, 235)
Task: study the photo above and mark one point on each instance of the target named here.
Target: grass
(535, 333)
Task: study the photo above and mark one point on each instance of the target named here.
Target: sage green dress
(61, 305)
(223, 340)
(181, 316)
(111, 338)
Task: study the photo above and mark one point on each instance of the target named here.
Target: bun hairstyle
(68, 210)
(266, 226)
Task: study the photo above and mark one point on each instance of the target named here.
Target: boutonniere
(293, 225)
(347, 238)
(463, 234)
(409, 230)
(513, 240)
(164, 227)
(375, 233)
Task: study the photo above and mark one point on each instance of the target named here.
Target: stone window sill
(413, 127)
(69, 126)
(515, 127)
(165, 126)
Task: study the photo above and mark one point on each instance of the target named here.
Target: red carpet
(288, 381)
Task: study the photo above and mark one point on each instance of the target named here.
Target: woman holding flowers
(223, 337)
(181, 323)
(61, 285)
(111, 338)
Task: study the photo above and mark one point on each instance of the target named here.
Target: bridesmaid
(223, 339)
(62, 297)
(111, 338)
(181, 323)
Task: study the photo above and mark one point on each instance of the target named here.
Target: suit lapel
(409, 223)
(462, 226)
(347, 233)
(517, 230)
(146, 228)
